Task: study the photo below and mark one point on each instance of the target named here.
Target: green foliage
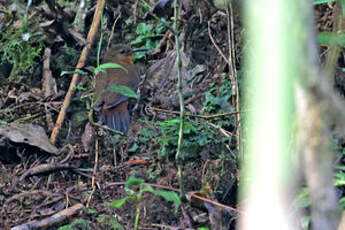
(108, 222)
(76, 225)
(136, 195)
(105, 66)
(147, 35)
(123, 90)
(169, 196)
(134, 148)
(146, 134)
(79, 71)
(316, 2)
(217, 100)
(329, 38)
(20, 49)
(303, 201)
(91, 211)
(199, 135)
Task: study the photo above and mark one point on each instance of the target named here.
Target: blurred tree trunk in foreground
(286, 80)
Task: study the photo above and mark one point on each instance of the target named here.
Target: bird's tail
(116, 117)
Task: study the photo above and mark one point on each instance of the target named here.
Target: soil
(99, 161)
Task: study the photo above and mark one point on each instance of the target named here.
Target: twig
(196, 115)
(90, 38)
(233, 71)
(215, 44)
(27, 193)
(112, 30)
(93, 174)
(50, 221)
(43, 168)
(181, 99)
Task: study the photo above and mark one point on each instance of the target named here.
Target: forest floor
(91, 166)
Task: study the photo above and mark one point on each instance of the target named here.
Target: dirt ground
(92, 164)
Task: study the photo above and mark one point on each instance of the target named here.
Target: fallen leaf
(33, 135)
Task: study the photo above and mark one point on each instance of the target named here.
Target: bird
(113, 106)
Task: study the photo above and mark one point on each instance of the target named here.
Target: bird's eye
(122, 51)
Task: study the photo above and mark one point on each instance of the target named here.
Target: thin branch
(215, 44)
(181, 99)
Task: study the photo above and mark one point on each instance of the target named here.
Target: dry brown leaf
(49, 87)
(33, 135)
(87, 136)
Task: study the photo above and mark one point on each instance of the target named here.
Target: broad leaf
(169, 196)
(133, 181)
(81, 72)
(123, 90)
(118, 203)
(316, 2)
(109, 65)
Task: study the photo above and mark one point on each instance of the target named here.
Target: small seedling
(137, 195)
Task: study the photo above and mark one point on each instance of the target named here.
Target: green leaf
(118, 203)
(139, 55)
(134, 148)
(129, 21)
(150, 44)
(80, 88)
(110, 65)
(305, 222)
(169, 196)
(115, 224)
(329, 38)
(316, 2)
(144, 29)
(146, 188)
(303, 199)
(123, 90)
(162, 26)
(79, 71)
(133, 181)
(66, 227)
(138, 41)
(91, 211)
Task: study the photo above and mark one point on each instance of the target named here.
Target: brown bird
(114, 106)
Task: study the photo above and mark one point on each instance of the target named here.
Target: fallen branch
(50, 221)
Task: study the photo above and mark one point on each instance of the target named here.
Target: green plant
(302, 201)
(20, 49)
(108, 222)
(217, 100)
(199, 135)
(137, 195)
(20, 46)
(147, 35)
(75, 225)
(316, 2)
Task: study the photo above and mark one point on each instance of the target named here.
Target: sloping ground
(93, 164)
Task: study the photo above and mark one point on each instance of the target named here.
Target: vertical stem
(137, 216)
(100, 39)
(233, 74)
(180, 92)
